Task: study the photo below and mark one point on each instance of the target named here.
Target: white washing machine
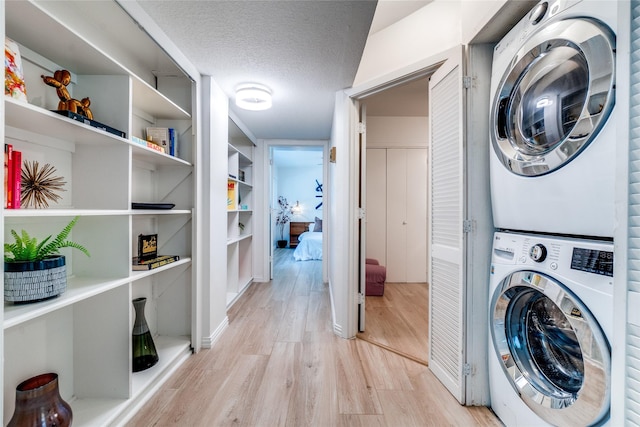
(550, 321)
(553, 140)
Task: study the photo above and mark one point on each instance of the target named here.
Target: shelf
(77, 54)
(238, 238)
(78, 289)
(172, 352)
(153, 102)
(232, 297)
(244, 183)
(239, 241)
(160, 212)
(152, 156)
(37, 120)
(32, 27)
(55, 212)
(137, 275)
(19, 115)
(243, 159)
(133, 83)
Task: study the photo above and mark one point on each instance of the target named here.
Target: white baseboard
(208, 342)
(337, 328)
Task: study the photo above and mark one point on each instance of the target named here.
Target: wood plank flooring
(399, 320)
(279, 364)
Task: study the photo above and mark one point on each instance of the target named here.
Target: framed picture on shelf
(147, 246)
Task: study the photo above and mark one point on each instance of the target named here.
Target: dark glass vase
(144, 350)
(38, 404)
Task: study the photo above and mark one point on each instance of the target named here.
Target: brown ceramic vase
(38, 404)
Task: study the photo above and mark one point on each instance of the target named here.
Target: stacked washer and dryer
(552, 168)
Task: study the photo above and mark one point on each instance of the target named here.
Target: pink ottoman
(375, 276)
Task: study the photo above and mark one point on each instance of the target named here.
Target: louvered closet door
(446, 161)
(631, 405)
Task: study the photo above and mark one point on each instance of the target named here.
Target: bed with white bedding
(309, 246)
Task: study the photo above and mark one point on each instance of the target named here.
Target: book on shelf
(160, 136)
(12, 177)
(148, 144)
(16, 191)
(8, 176)
(80, 118)
(159, 261)
(173, 142)
(231, 195)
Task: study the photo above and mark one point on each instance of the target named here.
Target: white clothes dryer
(553, 140)
(550, 321)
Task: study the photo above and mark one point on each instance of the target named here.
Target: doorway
(297, 201)
(397, 135)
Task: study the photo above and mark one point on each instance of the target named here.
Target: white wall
(214, 254)
(298, 184)
(341, 218)
(439, 26)
(397, 132)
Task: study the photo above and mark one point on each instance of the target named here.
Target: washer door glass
(552, 349)
(555, 97)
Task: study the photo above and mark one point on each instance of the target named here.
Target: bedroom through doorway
(297, 197)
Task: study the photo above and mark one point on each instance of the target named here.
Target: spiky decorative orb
(39, 185)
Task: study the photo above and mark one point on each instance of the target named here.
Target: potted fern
(34, 270)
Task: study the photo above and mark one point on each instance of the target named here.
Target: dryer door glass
(552, 349)
(548, 100)
(555, 97)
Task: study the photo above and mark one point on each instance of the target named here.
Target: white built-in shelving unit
(84, 334)
(239, 213)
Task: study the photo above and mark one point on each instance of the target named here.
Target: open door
(446, 224)
(272, 206)
(362, 223)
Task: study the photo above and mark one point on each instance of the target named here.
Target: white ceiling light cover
(253, 97)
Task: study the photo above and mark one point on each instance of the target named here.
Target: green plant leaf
(27, 248)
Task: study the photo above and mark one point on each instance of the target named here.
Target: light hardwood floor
(399, 320)
(279, 364)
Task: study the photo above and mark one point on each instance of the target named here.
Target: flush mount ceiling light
(253, 97)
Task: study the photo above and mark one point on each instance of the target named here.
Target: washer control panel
(592, 261)
(556, 253)
(538, 252)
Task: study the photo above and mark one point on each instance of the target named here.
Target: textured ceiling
(304, 51)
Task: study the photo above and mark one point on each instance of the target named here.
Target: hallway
(279, 364)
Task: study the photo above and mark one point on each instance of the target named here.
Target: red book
(8, 175)
(17, 171)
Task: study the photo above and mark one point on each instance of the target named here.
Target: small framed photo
(147, 246)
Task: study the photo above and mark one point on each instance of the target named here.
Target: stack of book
(148, 257)
(152, 263)
(165, 138)
(148, 144)
(12, 177)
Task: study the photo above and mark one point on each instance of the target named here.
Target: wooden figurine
(60, 80)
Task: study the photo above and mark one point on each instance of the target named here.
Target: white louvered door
(630, 381)
(446, 262)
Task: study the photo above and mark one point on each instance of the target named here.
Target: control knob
(538, 252)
